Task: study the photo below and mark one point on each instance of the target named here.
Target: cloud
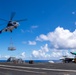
(24, 42)
(32, 42)
(73, 12)
(7, 56)
(33, 27)
(30, 30)
(42, 53)
(23, 55)
(60, 38)
(29, 42)
(42, 37)
(55, 54)
(45, 48)
(4, 56)
(75, 23)
(22, 31)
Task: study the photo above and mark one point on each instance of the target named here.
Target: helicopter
(11, 24)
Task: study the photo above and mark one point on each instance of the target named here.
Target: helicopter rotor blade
(3, 19)
(21, 20)
(12, 16)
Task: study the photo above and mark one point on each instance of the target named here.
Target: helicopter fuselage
(12, 23)
(10, 26)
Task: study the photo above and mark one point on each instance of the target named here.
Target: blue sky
(49, 32)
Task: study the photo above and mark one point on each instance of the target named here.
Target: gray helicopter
(12, 24)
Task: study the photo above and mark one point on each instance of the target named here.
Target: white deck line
(23, 70)
(35, 68)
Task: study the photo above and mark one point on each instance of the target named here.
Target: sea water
(37, 61)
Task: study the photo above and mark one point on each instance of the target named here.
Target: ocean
(38, 61)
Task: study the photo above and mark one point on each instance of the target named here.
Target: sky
(48, 34)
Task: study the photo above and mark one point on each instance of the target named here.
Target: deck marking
(35, 68)
(23, 70)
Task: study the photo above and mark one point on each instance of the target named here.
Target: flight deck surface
(38, 69)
